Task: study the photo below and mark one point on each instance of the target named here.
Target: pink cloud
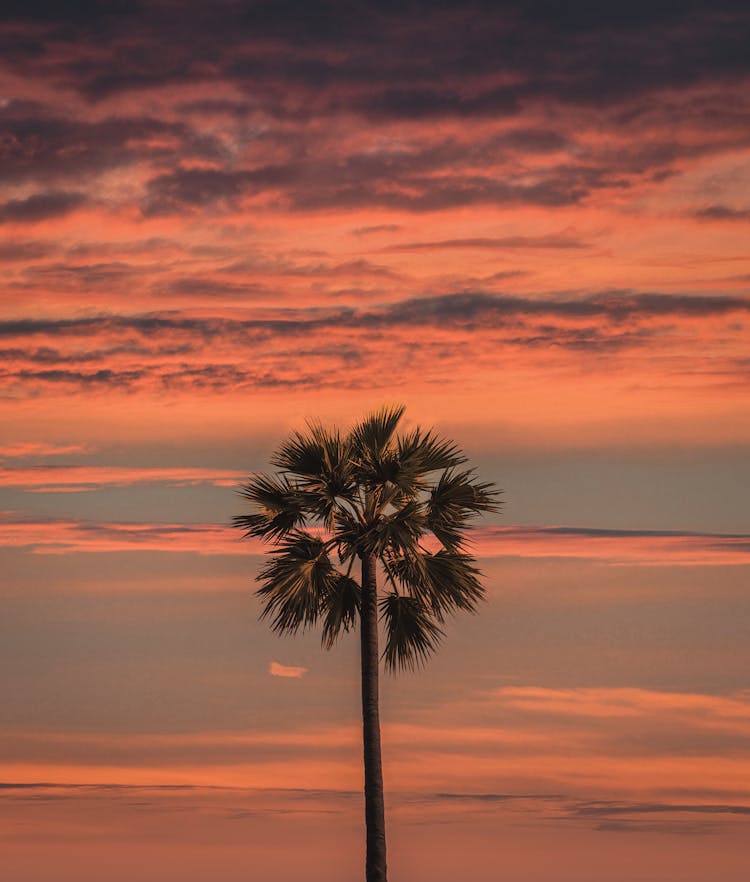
(613, 546)
(276, 669)
(63, 536)
(38, 448)
(66, 478)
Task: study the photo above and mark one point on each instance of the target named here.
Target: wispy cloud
(183, 352)
(556, 753)
(81, 478)
(554, 240)
(276, 669)
(51, 536)
(61, 536)
(652, 547)
(34, 449)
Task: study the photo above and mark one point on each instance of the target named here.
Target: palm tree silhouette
(378, 497)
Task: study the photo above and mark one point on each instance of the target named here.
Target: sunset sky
(529, 223)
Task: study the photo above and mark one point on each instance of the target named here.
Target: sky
(527, 222)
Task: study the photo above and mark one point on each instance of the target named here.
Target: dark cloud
(409, 60)
(170, 351)
(611, 809)
(37, 143)
(211, 288)
(609, 816)
(450, 309)
(177, 377)
(217, 107)
(616, 534)
(49, 355)
(23, 252)
(84, 276)
(376, 228)
(103, 378)
(285, 267)
(673, 828)
(22, 787)
(192, 188)
(615, 306)
(40, 206)
(383, 62)
(81, 13)
(493, 797)
(421, 192)
(723, 212)
(401, 179)
(549, 241)
(122, 247)
(419, 103)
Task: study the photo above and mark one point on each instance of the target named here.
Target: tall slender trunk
(374, 807)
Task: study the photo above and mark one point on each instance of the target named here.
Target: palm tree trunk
(374, 806)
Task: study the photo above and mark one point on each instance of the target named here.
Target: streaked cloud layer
(652, 547)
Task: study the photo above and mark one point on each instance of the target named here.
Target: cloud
(275, 669)
(152, 48)
(27, 449)
(40, 206)
(193, 188)
(40, 144)
(549, 241)
(670, 828)
(643, 349)
(376, 228)
(420, 175)
(609, 809)
(723, 212)
(608, 816)
(22, 252)
(244, 130)
(63, 536)
(722, 711)
(239, 138)
(550, 761)
(80, 478)
(107, 275)
(469, 308)
(649, 547)
(623, 817)
(91, 13)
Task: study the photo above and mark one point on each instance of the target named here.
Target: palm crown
(401, 499)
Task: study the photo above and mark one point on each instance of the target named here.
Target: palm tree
(400, 505)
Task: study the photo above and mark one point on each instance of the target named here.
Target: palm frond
(375, 432)
(443, 582)
(456, 498)
(373, 451)
(411, 633)
(296, 582)
(350, 536)
(301, 454)
(423, 452)
(398, 532)
(320, 461)
(340, 608)
(280, 504)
